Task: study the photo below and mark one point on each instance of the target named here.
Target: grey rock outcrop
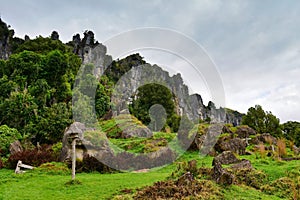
(190, 105)
(226, 157)
(221, 175)
(5, 36)
(83, 146)
(245, 132)
(244, 164)
(15, 147)
(91, 52)
(264, 138)
(132, 128)
(235, 145)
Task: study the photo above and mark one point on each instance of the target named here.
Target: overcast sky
(255, 45)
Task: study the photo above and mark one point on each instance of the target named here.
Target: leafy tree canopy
(261, 121)
(7, 136)
(36, 85)
(148, 96)
(43, 45)
(292, 131)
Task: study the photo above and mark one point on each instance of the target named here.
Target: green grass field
(38, 185)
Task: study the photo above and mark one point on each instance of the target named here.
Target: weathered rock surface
(229, 175)
(296, 150)
(94, 145)
(5, 36)
(226, 129)
(226, 157)
(133, 131)
(207, 141)
(83, 146)
(130, 127)
(15, 147)
(235, 145)
(245, 132)
(91, 52)
(244, 164)
(264, 138)
(185, 104)
(220, 175)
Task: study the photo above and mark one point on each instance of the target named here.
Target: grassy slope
(35, 185)
(94, 186)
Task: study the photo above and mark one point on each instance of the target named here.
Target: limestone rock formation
(190, 105)
(226, 157)
(245, 131)
(220, 175)
(15, 147)
(235, 145)
(244, 164)
(83, 146)
(264, 138)
(5, 36)
(91, 52)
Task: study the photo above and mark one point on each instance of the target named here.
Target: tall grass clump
(262, 150)
(281, 147)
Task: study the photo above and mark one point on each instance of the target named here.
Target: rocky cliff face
(5, 36)
(91, 52)
(190, 105)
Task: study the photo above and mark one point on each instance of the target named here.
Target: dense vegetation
(154, 103)
(265, 122)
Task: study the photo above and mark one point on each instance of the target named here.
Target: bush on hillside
(283, 188)
(34, 157)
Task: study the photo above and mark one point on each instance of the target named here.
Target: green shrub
(250, 177)
(57, 147)
(7, 136)
(54, 168)
(34, 157)
(283, 188)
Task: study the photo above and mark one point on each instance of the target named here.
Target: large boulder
(235, 145)
(135, 131)
(130, 126)
(84, 145)
(244, 164)
(220, 175)
(226, 157)
(245, 132)
(207, 141)
(264, 138)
